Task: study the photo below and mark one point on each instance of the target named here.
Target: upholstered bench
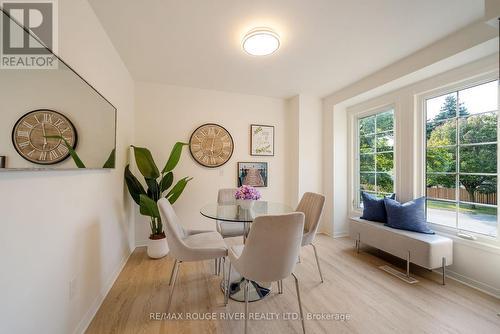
(430, 251)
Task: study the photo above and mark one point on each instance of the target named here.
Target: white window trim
(420, 146)
(354, 114)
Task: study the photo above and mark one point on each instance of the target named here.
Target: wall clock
(211, 145)
(28, 136)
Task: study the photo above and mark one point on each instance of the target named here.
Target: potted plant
(157, 185)
(246, 196)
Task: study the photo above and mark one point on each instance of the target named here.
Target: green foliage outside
(376, 153)
(474, 129)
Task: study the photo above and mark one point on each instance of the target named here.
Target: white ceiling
(325, 44)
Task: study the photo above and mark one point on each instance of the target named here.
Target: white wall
(310, 145)
(293, 149)
(304, 127)
(166, 114)
(68, 225)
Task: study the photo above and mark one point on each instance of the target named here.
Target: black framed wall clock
(29, 136)
(211, 145)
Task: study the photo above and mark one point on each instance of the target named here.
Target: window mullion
(375, 155)
(457, 163)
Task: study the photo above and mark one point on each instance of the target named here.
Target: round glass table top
(235, 213)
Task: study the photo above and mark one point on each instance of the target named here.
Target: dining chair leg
(223, 265)
(280, 286)
(317, 262)
(226, 296)
(300, 303)
(246, 306)
(215, 266)
(172, 288)
(172, 273)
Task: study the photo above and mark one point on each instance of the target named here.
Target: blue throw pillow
(409, 216)
(374, 208)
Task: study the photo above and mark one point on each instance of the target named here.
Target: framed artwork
(253, 174)
(261, 140)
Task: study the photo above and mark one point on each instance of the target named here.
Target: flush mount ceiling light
(261, 42)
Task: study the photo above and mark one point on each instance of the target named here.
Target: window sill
(484, 243)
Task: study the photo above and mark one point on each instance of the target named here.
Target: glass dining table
(234, 213)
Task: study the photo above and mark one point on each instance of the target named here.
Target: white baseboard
(141, 243)
(340, 235)
(89, 315)
(489, 290)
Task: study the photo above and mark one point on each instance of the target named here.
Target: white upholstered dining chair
(311, 205)
(188, 245)
(269, 254)
(229, 229)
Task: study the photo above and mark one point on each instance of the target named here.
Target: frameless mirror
(50, 117)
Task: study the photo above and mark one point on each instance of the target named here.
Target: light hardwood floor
(375, 301)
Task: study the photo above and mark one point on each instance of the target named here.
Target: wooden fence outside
(449, 193)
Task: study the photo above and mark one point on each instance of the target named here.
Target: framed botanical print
(253, 174)
(261, 140)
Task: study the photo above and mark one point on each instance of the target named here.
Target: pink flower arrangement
(247, 192)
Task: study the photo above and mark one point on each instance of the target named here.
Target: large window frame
(356, 162)
(421, 121)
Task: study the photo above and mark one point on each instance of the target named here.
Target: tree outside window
(376, 154)
(461, 159)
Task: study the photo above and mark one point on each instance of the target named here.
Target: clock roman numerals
(62, 149)
(47, 118)
(58, 122)
(23, 134)
(53, 155)
(28, 125)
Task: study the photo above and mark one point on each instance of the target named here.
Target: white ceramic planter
(157, 248)
(245, 204)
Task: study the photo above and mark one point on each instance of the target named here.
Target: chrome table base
(256, 291)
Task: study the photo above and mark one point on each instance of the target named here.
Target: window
(376, 154)
(461, 159)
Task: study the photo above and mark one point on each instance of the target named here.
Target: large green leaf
(166, 181)
(148, 207)
(145, 163)
(177, 190)
(174, 158)
(72, 152)
(153, 189)
(135, 188)
(110, 163)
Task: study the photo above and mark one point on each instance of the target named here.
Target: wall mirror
(49, 114)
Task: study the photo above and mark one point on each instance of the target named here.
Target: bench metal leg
(444, 269)
(358, 242)
(408, 265)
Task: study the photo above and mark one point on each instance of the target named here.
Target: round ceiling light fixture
(261, 42)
